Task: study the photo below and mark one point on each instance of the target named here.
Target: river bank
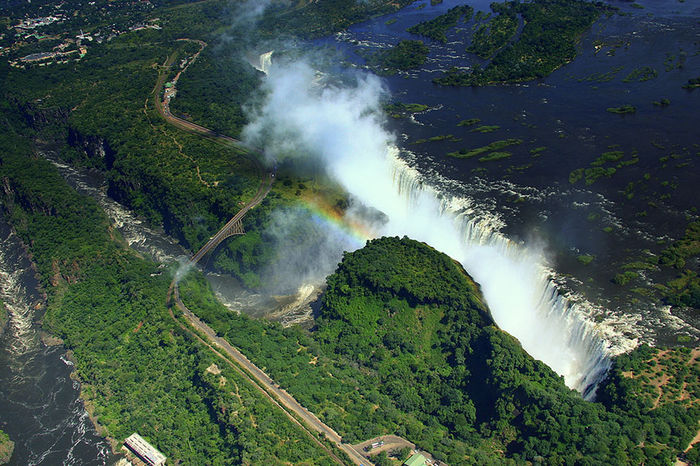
(43, 411)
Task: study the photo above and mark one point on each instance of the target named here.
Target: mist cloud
(307, 249)
(342, 127)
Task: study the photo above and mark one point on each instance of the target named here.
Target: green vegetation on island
(437, 28)
(674, 270)
(692, 83)
(641, 74)
(7, 446)
(585, 259)
(404, 56)
(548, 41)
(401, 110)
(494, 34)
(485, 129)
(494, 156)
(537, 151)
(662, 102)
(469, 122)
(622, 109)
(601, 167)
(494, 146)
(684, 289)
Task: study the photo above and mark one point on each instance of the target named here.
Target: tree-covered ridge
(139, 371)
(445, 362)
(415, 273)
(551, 30)
(437, 28)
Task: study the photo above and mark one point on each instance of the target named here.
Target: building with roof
(415, 460)
(144, 450)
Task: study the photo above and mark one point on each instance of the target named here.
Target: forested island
(547, 41)
(404, 56)
(6, 448)
(403, 342)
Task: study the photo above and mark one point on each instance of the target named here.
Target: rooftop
(144, 450)
(415, 460)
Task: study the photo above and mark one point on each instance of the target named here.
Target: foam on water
(41, 408)
(343, 128)
(516, 283)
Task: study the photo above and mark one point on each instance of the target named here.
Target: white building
(144, 450)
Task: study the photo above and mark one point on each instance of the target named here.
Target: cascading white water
(264, 62)
(343, 128)
(14, 272)
(515, 283)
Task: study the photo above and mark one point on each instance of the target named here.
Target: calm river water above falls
(529, 196)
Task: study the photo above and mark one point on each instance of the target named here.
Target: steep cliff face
(95, 148)
(37, 116)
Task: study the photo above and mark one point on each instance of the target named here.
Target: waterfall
(264, 62)
(342, 126)
(522, 297)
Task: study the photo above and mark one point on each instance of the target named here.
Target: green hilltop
(414, 321)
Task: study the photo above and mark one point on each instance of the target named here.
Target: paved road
(234, 357)
(266, 383)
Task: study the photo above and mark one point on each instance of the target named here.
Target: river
(40, 406)
(528, 197)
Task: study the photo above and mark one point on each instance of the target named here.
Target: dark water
(39, 405)
(531, 196)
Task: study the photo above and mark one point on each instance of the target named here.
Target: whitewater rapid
(40, 406)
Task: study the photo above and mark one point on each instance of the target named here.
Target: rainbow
(354, 229)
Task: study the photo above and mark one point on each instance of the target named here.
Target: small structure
(415, 460)
(374, 445)
(144, 450)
